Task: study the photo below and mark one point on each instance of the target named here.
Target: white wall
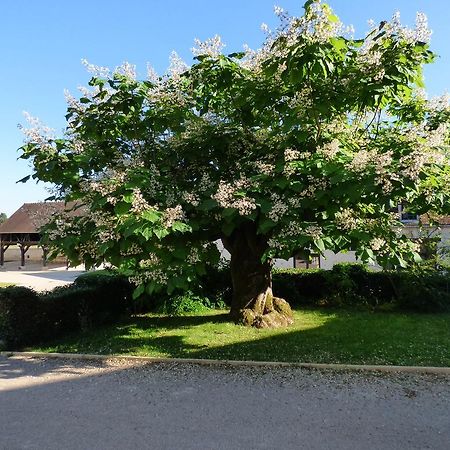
(280, 263)
(329, 259)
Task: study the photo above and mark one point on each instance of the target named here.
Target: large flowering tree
(304, 145)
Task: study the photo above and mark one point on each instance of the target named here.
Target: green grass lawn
(6, 284)
(322, 336)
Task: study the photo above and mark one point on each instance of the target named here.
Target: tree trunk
(253, 303)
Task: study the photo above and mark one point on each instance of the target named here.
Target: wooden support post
(23, 250)
(3, 248)
(44, 255)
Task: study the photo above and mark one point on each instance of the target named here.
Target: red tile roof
(30, 217)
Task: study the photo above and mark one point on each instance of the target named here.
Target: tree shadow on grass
(358, 337)
(343, 337)
(173, 322)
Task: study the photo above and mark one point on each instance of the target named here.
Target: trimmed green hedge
(20, 318)
(353, 285)
(27, 317)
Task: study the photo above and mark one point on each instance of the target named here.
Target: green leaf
(161, 233)
(208, 204)
(181, 227)
(151, 215)
(138, 291)
(320, 245)
(228, 212)
(122, 208)
(265, 225)
(146, 232)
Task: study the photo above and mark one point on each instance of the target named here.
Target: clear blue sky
(43, 41)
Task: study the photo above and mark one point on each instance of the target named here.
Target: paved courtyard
(69, 404)
(39, 278)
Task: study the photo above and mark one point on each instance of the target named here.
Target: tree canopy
(306, 144)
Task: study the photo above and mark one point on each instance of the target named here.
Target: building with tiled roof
(23, 227)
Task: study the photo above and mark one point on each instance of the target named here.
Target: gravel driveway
(69, 404)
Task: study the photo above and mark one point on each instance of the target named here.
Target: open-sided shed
(23, 228)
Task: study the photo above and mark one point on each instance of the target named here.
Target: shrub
(187, 303)
(300, 286)
(113, 295)
(27, 317)
(216, 284)
(70, 308)
(21, 320)
(422, 291)
(355, 285)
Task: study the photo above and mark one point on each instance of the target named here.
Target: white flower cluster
(92, 186)
(370, 60)
(160, 276)
(318, 27)
(177, 66)
(291, 154)
(265, 28)
(294, 229)
(264, 167)
(279, 207)
(428, 149)
(440, 103)
(414, 164)
(171, 215)
(63, 227)
(101, 219)
(191, 198)
(72, 102)
(152, 75)
(314, 184)
(329, 150)
(126, 69)
(152, 260)
(193, 256)
(408, 246)
(77, 146)
(134, 249)
(420, 33)
(96, 71)
(346, 219)
(377, 243)
(106, 235)
(37, 132)
(384, 176)
(336, 126)
(87, 249)
(313, 231)
(276, 244)
(437, 137)
(226, 197)
(138, 203)
(361, 160)
(302, 99)
(212, 47)
(205, 183)
(315, 26)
